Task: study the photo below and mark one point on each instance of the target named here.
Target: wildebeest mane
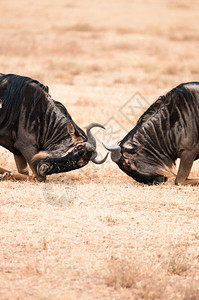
(12, 92)
(178, 94)
(180, 91)
(63, 109)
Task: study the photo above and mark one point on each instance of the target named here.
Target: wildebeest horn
(98, 161)
(91, 139)
(91, 143)
(115, 152)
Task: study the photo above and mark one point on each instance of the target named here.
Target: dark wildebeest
(39, 131)
(168, 130)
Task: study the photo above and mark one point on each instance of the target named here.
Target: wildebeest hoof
(5, 175)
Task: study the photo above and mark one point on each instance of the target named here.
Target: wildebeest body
(168, 130)
(38, 130)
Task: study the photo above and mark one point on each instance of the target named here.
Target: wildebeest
(169, 129)
(40, 131)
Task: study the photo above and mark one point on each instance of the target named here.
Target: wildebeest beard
(67, 163)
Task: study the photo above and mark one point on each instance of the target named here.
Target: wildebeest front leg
(186, 162)
(27, 154)
(34, 170)
(21, 164)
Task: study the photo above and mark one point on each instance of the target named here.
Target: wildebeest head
(81, 150)
(131, 159)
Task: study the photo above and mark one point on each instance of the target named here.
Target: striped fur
(34, 128)
(168, 128)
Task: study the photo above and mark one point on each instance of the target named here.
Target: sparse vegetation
(122, 273)
(178, 266)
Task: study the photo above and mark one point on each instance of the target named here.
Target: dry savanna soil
(95, 233)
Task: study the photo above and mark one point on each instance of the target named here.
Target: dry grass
(95, 233)
(135, 280)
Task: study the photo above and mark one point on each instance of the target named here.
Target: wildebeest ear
(71, 128)
(71, 131)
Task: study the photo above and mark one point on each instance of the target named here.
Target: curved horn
(115, 152)
(91, 139)
(98, 162)
(91, 143)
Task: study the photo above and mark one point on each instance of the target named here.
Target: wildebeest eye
(78, 148)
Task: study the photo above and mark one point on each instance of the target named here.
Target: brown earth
(95, 233)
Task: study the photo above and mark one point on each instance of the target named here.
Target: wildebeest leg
(2, 171)
(7, 175)
(21, 164)
(28, 153)
(186, 162)
(38, 177)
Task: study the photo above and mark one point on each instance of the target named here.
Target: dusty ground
(95, 233)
